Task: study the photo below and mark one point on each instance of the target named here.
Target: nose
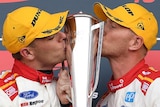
(107, 27)
(62, 36)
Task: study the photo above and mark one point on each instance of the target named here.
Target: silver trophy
(84, 44)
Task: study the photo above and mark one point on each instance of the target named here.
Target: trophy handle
(99, 50)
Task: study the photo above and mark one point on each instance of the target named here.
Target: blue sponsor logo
(130, 96)
(28, 94)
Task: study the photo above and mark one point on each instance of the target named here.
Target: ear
(27, 53)
(136, 43)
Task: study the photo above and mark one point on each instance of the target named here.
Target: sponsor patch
(130, 96)
(28, 94)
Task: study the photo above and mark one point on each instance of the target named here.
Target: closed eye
(50, 37)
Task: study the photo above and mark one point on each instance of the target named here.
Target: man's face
(116, 39)
(50, 50)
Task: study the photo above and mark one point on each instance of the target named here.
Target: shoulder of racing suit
(146, 77)
(8, 83)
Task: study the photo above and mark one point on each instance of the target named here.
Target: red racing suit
(140, 87)
(25, 87)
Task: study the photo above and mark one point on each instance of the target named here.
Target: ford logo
(28, 94)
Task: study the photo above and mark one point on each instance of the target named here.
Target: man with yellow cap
(130, 32)
(34, 38)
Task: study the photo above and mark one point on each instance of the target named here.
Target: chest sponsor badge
(130, 96)
(28, 94)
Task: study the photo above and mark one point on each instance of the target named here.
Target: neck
(40, 66)
(120, 66)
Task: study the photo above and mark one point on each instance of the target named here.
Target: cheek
(45, 48)
(111, 42)
(49, 46)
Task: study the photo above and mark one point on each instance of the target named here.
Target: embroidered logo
(28, 94)
(128, 10)
(10, 91)
(116, 86)
(36, 17)
(130, 96)
(116, 19)
(146, 72)
(145, 86)
(22, 39)
(56, 28)
(140, 26)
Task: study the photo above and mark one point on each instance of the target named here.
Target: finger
(63, 74)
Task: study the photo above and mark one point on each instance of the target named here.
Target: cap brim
(54, 24)
(99, 11)
(103, 12)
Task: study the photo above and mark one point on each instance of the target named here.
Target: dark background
(75, 6)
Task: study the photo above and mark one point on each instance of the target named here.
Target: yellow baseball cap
(27, 23)
(133, 16)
